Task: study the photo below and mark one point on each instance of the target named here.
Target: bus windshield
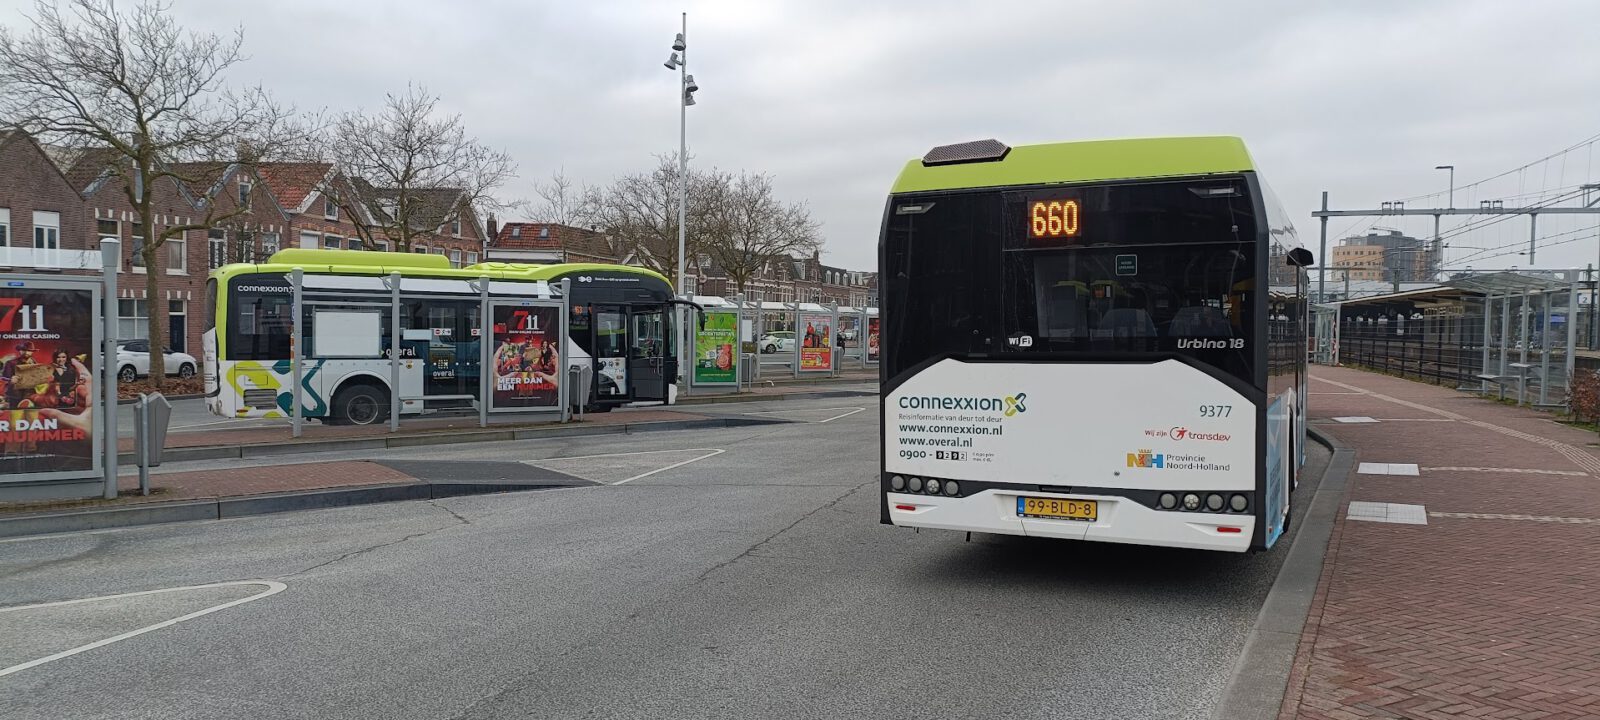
(1125, 268)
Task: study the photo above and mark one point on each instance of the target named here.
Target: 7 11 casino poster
(47, 382)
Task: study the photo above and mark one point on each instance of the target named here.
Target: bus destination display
(1053, 219)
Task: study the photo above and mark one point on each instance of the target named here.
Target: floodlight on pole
(672, 62)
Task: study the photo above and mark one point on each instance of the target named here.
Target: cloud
(1360, 98)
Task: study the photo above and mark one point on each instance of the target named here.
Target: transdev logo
(1146, 459)
(1014, 404)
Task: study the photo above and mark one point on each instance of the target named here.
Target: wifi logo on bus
(1014, 404)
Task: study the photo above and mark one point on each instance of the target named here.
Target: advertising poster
(47, 382)
(714, 355)
(816, 342)
(872, 339)
(527, 365)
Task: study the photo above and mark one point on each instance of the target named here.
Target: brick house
(790, 279)
(40, 211)
(548, 243)
(328, 210)
(206, 190)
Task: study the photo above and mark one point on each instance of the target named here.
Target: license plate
(1085, 510)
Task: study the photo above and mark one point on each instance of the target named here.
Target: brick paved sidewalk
(1489, 610)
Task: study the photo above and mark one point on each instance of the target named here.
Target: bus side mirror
(1300, 257)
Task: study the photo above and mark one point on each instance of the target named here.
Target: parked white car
(133, 361)
(782, 341)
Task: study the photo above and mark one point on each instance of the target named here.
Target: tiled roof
(432, 206)
(553, 236)
(292, 182)
(83, 167)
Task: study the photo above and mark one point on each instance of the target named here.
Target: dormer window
(330, 209)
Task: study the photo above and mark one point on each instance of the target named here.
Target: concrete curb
(1255, 690)
(232, 507)
(258, 450)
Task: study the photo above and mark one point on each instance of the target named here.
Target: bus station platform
(1462, 578)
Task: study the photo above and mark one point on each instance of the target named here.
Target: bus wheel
(359, 405)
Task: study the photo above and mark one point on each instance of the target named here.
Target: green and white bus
(620, 328)
(1080, 341)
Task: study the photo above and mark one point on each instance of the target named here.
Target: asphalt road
(751, 582)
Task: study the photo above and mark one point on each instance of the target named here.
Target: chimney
(494, 229)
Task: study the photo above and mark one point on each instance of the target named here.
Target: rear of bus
(1075, 345)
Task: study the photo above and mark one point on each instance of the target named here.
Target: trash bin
(151, 415)
(578, 382)
(747, 367)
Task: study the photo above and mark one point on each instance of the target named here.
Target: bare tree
(412, 170)
(149, 95)
(755, 228)
(641, 212)
(561, 202)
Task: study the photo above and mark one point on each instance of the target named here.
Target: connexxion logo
(1010, 405)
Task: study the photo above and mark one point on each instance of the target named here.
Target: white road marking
(852, 411)
(795, 410)
(836, 417)
(1368, 468)
(1356, 419)
(713, 453)
(273, 587)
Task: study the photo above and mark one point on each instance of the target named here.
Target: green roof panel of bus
(369, 262)
(1088, 161)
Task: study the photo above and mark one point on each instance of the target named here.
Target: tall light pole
(686, 89)
(1452, 170)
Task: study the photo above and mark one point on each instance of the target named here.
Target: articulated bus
(620, 329)
(1082, 341)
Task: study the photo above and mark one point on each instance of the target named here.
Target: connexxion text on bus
(1093, 341)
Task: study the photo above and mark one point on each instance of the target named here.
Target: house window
(108, 230)
(136, 246)
(309, 240)
(216, 248)
(455, 227)
(330, 209)
(133, 319)
(423, 249)
(245, 242)
(455, 258)
(332, 242)
(472, 258)
(269, 244)
(46, 230)
(690, 285)
(380, 245)
(244, 193)
(355, 244)
(177, 255)
(438, 251)
(5, 227)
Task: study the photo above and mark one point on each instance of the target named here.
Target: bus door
(647, 355)
(443, 335)
(612, 381)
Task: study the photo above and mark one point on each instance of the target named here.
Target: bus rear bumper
(1119, 520)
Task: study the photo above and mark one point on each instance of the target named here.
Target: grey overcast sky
(1358, 97)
